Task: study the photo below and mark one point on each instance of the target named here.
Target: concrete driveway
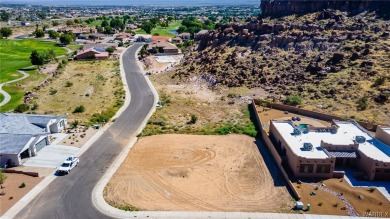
(51, 156)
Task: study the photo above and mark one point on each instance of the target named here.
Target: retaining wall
(273, 151)
(313, 114)
(34, 174)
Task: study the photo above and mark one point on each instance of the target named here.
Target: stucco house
(24, 135)
(92, 53)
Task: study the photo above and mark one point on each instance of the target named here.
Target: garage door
(40, 144)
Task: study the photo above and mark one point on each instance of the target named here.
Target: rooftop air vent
(360, 139)
(307, 146)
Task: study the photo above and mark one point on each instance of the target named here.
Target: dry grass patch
(85, 90)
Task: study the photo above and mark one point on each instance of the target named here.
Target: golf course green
(14, 55)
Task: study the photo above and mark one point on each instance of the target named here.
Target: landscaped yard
(163, 31)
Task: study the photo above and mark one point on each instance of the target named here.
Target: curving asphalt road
(70, 196)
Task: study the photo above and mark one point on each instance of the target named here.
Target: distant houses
(24, 135)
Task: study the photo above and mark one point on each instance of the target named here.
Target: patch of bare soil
(196, 173)
(12, 191)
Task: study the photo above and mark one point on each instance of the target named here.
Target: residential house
(123, 37)
(163, 47)
(92, 53)
(177, 40)
(24, 135)
(161, 38)
(324, 151)
(103, 46)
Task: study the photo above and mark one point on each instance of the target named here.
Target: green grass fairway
(163, 31)
(14, 55)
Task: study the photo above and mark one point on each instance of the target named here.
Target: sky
(134, 2)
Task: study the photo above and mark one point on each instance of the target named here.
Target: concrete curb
(23, 202)
(97, 195)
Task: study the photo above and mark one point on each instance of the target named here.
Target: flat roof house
(163, 47)
(23, 135)
(318, 151)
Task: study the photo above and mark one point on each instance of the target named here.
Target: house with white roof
(318, 151)
(24, 135)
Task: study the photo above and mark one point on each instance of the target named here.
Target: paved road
(70, 196)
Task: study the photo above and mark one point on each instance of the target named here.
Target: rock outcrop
(275, 8)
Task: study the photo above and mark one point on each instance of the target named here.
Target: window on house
(323, 169)
(306, 168)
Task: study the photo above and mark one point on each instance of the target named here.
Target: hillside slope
(336, 62)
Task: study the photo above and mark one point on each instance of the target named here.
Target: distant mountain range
(133, 2)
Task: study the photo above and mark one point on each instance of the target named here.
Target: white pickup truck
(68, 165)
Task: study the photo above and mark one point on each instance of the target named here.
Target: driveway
(51, 156)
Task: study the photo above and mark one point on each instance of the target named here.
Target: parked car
(68, 165)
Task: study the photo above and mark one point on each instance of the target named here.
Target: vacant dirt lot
(12, 191)
(191, 172)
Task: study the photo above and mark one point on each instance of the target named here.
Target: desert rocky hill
(337, 62)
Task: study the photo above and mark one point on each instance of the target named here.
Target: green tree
(39, 33)
(108, 30)
(79, 109)
(110, 50)
(105, 23)
(49, 55)
(4, 16)
(99, 29)
(67, 38)
(36, 58)
(22, 108)
(147, 27)
(170, 18)
(53, 34)
(69, 23)
(5, 32)
(55, 23)
(77, 21)
(293, 100)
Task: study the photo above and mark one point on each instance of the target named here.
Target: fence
(273, 151)
(313, 114)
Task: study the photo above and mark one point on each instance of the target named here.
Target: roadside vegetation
(192, 109)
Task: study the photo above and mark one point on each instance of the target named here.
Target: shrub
(3, 177)
(379, 81)
(21, 108)
(316, 188)
(79, 109)
(293, 100)
(320, 204)
(68, 84)
(22, 185)
(194, 118)
(74, 124)
(35, 106)
(336, 204)
(362, 103)
(371, 189)
(53, 91)
(10, 198)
